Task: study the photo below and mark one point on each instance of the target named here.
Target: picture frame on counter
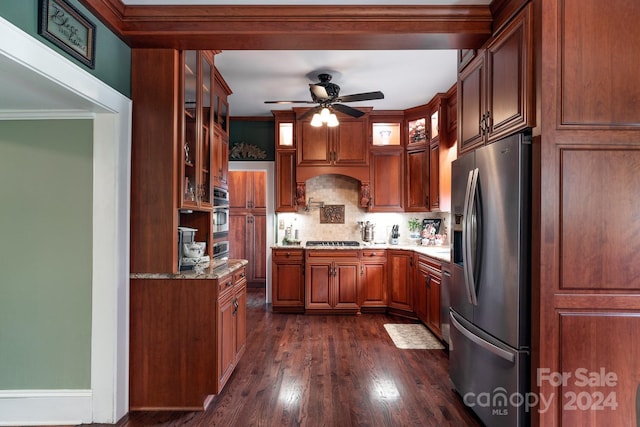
(64, 26)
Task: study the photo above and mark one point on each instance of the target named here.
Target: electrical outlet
(281, 224)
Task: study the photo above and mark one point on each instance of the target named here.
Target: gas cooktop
(332, 243)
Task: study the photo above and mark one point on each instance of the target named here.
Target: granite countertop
(213, 271)
(441, 253)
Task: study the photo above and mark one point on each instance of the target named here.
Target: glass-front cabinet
(196, 124)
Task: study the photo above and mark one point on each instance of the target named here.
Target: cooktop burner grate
(333, 243)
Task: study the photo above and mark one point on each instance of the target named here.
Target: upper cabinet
(220, 125)
(495, 89)
(387, 162)
(178, 148)
(342, 145)
(196, 125)
(285, 161)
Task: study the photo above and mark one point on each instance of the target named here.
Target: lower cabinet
(331, 281)
(373, 280)
(400, 281)
(232, 319)
(427, 305)
(287, 284)
(186, 338)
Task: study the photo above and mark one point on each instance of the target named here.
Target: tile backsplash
(343, 190)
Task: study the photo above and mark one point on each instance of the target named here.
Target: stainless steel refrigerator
(490, 287)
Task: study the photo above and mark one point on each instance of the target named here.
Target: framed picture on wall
(63, 25)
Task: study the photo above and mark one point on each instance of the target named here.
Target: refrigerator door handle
(466, 258)
(470, 235)
(504, 354)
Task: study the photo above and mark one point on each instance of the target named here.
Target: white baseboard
(45, 407)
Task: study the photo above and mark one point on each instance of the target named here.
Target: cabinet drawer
(225, 284)
(374, 253)
(332, 253)
(288, 254)
(425, 263)
(240, 275)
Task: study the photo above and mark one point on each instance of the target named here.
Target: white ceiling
(407, 78)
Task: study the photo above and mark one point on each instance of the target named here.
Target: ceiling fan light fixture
(316, 121)
(333, 120)
(325, 114)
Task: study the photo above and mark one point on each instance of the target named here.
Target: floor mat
(412, 336)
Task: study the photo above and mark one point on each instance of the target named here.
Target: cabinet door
(317, 285)
(287, 292)
(400, 280)
(240, 307)
(238, 184)
(351, 146)
(417, 181)
(472, 104)
(258, 196)
(387, 174)
(420, 294)
(510, 79)
(313, 144)
(190, 146)
(434, 177)
(238, 223)
(346, 276)
(286, 181)
(257, 250)
(373, 283)
(226, 339)
(433, 304)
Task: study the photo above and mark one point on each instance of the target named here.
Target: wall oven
(221, 250)
(220, 217)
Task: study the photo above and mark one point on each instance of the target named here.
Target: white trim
(268, 167)
(45, 115)
(69, 407)
(110, 270)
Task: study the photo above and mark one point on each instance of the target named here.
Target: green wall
(46, 210)
(259, 135)
(113, 56)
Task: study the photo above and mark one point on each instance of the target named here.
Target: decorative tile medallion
(332, 214)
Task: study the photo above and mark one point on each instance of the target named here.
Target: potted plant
(414, 228)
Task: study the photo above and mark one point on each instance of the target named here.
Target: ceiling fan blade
(347, 110)
(367, 96)
(289, 102)
(310, 112)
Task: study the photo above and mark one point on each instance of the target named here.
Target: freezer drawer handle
(482, 343)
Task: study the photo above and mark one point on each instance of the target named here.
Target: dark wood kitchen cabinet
(247, 190)
(171, 106)
(343, 145)
(495, 91)
(220, 125)
(248, 222)
(197, 96)
(373, 280)
(400, 281)
(186, 337)
(388, 180)
(287, 284)
(417, 180)
(231, 324)
(331, 281)
(427, 287)
(286, 161)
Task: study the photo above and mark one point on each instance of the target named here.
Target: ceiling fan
(327, 95)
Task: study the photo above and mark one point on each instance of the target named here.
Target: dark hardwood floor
(318, 370)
